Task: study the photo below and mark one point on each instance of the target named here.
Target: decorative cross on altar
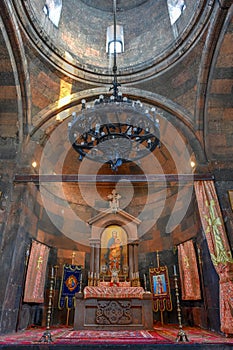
(114, 201)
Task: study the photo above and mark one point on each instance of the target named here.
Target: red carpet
(69, 336)
(161, 335)
(195, 335)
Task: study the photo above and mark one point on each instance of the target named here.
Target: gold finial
(157, 255)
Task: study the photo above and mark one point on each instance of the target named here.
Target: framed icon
(159, 284)
(160, 288)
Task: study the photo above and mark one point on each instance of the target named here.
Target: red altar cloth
(113, 292)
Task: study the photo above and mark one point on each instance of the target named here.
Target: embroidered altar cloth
(120, 284)
(113, 292)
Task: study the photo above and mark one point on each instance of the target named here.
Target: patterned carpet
(160, 335)
(194, 334)
(69, 336)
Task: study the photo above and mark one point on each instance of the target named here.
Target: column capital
(94, 242)
(135, 242)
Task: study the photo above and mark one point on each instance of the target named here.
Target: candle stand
(81, 283)
(47, 337)
(181, 336)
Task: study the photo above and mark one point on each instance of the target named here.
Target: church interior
(116, 163)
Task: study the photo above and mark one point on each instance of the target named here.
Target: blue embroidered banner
(70, 285)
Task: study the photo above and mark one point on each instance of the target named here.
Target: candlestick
(80, 283)
(145, 282)
(181, 336)
(46, 337)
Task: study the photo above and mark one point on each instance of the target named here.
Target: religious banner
(36, 273)
(70, 284)
(189, 276)
(219, 248)
(160, 287)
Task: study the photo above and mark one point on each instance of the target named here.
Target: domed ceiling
(156, 33)
(106, 5)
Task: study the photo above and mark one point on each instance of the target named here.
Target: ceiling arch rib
(173, 113)
(15, 48)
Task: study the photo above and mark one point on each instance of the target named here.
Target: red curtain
(190, 282)
(219, 248)
(36, 272)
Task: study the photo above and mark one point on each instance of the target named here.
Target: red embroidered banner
(36, 272)
(219, 248)
(189, 277)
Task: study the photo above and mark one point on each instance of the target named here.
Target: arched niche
(114, 250)
(103, 224)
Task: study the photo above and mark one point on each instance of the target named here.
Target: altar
(113, 308)
(113, 298)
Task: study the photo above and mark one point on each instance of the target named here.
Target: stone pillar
(97, 258)
(135, 256)
(131, 261)
(15, 240)
(92, 257)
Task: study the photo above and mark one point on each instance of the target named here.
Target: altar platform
(113, 308)
(160, 338)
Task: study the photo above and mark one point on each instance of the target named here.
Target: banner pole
(161, 317)
(157, 254)
(67, 317)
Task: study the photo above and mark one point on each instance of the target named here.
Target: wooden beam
(27, 178)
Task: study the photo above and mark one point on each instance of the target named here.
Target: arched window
(175, 9)
(110, 43)
(52, 9)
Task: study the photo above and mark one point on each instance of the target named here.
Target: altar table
(113, 308)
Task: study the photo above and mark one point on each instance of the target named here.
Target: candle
(144, 276)
(52, 272)
(174, 268)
